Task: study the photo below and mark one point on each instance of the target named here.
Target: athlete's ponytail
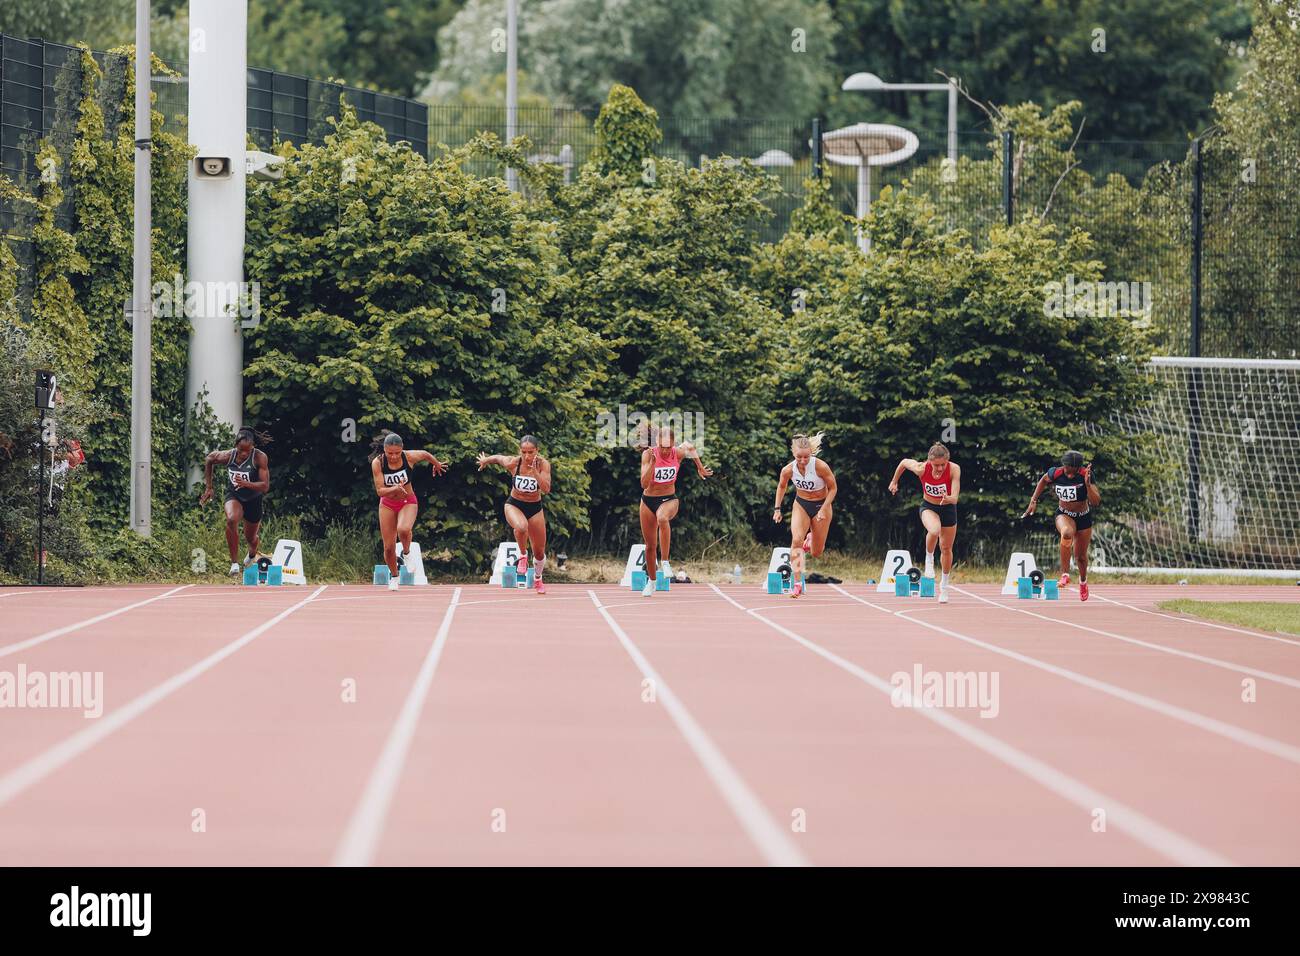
(812, 442)
(249, 433)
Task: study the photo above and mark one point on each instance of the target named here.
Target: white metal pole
(864, 203)
(952, 123)
(512, 82)
(218, 123)
(141, 280)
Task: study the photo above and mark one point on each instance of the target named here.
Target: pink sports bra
(665, 469)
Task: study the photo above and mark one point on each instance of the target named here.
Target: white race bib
(665, 474)
(1067, 492)
(935, 491)
(523, 483)
(395, 478)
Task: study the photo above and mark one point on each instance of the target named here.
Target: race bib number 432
(665, 475)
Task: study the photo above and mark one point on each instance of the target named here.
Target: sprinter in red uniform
(940, 488)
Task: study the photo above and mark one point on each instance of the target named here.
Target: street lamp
(870, 83)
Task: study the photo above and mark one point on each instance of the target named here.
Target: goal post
(1225, 498)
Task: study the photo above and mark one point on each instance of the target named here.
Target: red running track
(709, 725)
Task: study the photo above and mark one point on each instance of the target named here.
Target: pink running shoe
(538, 586)
(807, 541)
(796, 590)
(1083, 591)
(1063, 581)
(521, 566)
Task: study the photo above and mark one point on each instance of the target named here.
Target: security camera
(264, 166)
(212, 167)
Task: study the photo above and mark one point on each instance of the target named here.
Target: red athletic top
(936, 487)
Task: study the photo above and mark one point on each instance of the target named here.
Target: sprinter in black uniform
(523, 509)
(1076, 496)
(248, 479)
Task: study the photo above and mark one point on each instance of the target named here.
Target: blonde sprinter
(814, 490)
(940, 488)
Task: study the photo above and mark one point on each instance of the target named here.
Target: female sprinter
(1076, 496)
(523, 509)
(392, 469)
(243, 493)
(660, 464)
(940, 488)
(814, 490)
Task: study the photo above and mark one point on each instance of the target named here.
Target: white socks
(539, 564)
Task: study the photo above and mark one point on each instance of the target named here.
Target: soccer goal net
(1226, 498)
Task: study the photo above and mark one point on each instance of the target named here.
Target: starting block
(510, 578)
(1036, 586)
(781, 580)
(639, 579)
(912, 584)
(661, 581)
(262, 571)
(382, 575)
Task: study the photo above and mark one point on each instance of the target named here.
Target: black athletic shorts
(1082, 522)
(810, 506)
(654, 501)
(947, 513)
(529, 508)
(252, 508)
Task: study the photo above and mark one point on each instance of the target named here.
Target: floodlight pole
(141, 302)
(512, 84)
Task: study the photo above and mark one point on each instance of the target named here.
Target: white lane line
(8, 649)
(1231, 732)
(773, 843)
(68, 749)
(1203, 623)
(1140, 827)
(1200, 658)
(361, 838)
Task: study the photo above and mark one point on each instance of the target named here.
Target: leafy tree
(724, 59)
(413, 296)
(1162, 63)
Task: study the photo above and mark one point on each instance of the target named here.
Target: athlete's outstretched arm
(688, 450)
(781, 483)
(1038, 492)
(212, 458)
(505, 461)
(417, 456)
(907, 464)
